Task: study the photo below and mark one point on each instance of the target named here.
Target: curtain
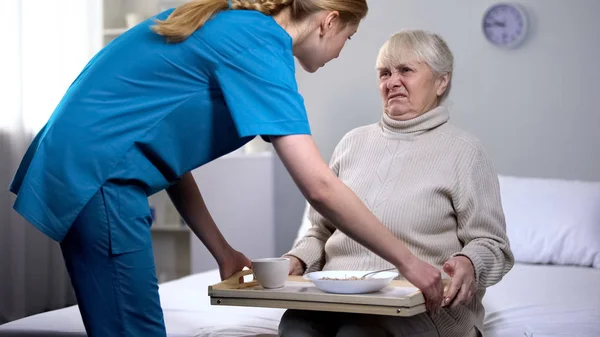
(45, 45)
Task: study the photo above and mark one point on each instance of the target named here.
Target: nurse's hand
(233, 262)
(427, 278)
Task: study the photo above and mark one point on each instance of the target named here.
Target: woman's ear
(330, 22)
(442, 83)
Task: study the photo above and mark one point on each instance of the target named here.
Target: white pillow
(305, 225)
(552, 221)
(548, 221)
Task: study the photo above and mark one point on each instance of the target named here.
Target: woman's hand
(428, 279)
(296, 266)
(232, 262)
(462, 284)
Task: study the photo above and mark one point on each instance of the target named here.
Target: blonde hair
(191, 16)
(421, 46)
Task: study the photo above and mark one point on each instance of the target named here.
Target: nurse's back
(139, 77)
(136, 95)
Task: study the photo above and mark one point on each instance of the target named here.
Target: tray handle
(237, 280)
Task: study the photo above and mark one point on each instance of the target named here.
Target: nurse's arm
(186, 197)
(334, 200)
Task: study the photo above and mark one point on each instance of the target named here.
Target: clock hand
(495, 24)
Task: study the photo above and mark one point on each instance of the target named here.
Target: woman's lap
(298, 323)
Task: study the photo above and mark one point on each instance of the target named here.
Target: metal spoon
(377, 272)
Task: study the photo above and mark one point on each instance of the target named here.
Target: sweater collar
(427, 121)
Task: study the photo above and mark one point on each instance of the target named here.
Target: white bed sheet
(538, 301)
(187, 313)
(541, 300)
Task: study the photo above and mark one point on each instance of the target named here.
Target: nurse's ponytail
(191, 16)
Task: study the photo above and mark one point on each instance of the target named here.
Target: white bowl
(339, 282)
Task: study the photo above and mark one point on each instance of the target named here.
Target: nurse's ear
(330, 23)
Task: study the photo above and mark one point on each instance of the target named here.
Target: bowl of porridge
(350, 281)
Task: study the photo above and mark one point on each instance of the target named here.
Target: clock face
(505, 25)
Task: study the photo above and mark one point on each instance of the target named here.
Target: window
(48, 45)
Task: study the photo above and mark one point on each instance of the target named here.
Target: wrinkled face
(324, 44)
(410, 89)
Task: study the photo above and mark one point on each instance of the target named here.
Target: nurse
(172, 94)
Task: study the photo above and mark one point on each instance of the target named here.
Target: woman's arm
(310, 249)
(481, 223)
(336, 202)
(186, 197)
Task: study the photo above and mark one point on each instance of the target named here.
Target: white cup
(271, 273)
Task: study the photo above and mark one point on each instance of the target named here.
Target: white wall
(239, 191)
(534, 108)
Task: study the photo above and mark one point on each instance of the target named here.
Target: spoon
(376, 272)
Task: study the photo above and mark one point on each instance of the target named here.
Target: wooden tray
(399, 299)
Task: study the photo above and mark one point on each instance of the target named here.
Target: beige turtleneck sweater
(434, 187)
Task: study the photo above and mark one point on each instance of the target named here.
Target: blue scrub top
(146, 111)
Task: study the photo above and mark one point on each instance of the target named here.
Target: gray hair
(420, 46)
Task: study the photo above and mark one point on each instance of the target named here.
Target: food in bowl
(351, 278)
(350, 281)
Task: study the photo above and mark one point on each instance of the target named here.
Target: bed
(563, 302)
(553, 289)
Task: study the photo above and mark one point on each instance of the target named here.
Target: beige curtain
(34, 278)
(45, 45)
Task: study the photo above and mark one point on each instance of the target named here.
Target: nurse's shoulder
(226, 33)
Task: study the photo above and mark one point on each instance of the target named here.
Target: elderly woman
(430, 183)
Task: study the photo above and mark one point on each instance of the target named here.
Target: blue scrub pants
(108, 253)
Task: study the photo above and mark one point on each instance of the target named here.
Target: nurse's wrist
(223, 252)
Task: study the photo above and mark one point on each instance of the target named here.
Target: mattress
(543, 300)
(531, 300)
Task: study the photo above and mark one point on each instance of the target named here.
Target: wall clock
(505, 25)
